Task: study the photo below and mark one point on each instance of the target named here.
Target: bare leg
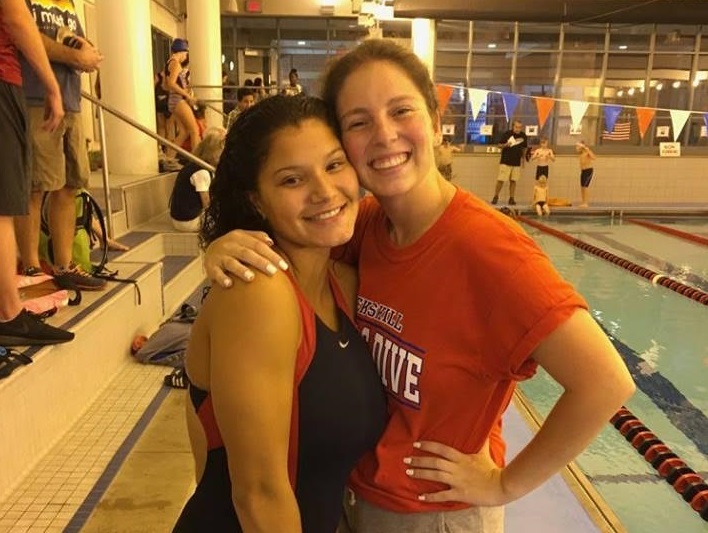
(584, 196)
(546, 210)
(10, 305)
(27, 231)
(62, 222)
(539, 210)
(188, 127)
(512, 189)
(498, 188)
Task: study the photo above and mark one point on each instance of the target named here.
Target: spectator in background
(227, 93)
(513, 147)
(293, 88)
(245, 98)
(60, 164)
(18, 31)
(180, 100)
(443, 157)
(190, 195)
(260, 92)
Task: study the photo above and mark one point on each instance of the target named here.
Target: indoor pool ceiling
(590, 11)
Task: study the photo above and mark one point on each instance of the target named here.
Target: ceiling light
(622, 47)
(676, 84)
(301, 43)
(630, 92)
(492, 45)
(696, 82)
(620, 92)
(659, 86)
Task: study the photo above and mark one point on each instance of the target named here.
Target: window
(630, 37)
(493, 36)
(491, 71)
(624, 83)
(579, 37)
(539, 36)
(676, 38)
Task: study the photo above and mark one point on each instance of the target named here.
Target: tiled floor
(54, 491)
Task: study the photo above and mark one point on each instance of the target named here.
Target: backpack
(85, 238)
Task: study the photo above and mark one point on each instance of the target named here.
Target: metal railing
(100, 107)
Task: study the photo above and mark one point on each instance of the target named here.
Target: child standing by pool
(543, 155)
(585, 158)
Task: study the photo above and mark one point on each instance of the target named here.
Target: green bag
(85, 238)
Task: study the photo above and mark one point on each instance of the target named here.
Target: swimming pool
(663, 338)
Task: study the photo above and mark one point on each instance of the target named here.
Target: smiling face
(387, 130)
(307, 190)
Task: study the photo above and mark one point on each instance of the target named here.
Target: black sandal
(177, 379)
(10, 360)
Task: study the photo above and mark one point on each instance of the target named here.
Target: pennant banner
(678, 121)
(543, 106)
(577, 111)
(611, 114)
(444, 94)
(477, 98)
(510, 103)
(644, 116)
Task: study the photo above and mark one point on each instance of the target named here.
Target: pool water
(663, 338)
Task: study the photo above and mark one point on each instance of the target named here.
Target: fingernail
(270, 242)
(271, 269)
(283, 265)
(407, 460)
(422, 497)
(416, 444)
(249, 275)
(227, 282)
(409, 472)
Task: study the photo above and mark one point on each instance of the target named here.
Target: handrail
(100, 106)
(214, 108)
(181, 151)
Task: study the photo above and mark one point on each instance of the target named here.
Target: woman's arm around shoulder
(254, 334)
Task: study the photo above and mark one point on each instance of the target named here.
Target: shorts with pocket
(59, 158)
(14, 152)
(363, 517)
(507, 173)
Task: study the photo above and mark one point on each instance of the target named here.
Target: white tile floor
(49, 496)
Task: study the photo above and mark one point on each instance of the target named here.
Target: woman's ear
(437, 129)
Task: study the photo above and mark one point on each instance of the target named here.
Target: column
(204, 35)
(123, 30)
(423, 41)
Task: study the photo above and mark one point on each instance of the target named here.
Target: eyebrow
(297, 167)
(392, 101)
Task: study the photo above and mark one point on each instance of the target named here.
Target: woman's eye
(355, 124)
(335, 165)
(290, 181)
(402, 111)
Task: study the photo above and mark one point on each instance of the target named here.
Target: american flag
(621, 132)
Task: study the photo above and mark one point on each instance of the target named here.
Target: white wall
(619, 180)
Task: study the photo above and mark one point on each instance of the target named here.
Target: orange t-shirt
(451, 321)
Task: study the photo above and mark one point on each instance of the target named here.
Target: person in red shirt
(457, 304)
(18, 32)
